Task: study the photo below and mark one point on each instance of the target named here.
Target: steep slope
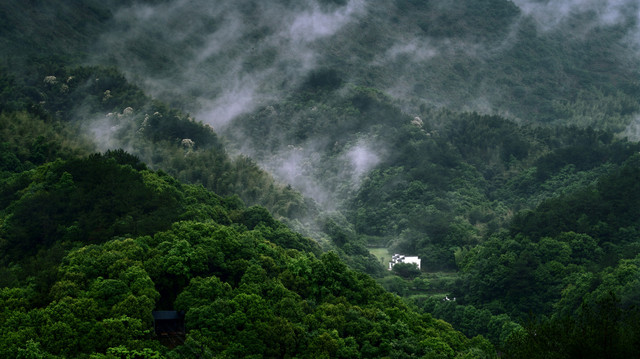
(92, 245)
(496, 57)
(539, 62)
(364, 108)
(423, 184)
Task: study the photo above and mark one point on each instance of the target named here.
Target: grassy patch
(382, 254)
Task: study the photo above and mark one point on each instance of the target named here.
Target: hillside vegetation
(87, 259)
(243, 165)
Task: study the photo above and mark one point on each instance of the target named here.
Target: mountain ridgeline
(255, 166)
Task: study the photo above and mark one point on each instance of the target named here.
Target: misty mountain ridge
(511, 59)
(528, 61)
(493, 57)
(321, 93)
(496, 140)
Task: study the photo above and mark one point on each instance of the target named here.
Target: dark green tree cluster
(75, 106)
(62, 204)
(573, 259)
(249, 286)
(601, 329)
(540, 219)
(473, 321)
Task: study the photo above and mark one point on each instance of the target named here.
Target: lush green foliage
(601, 329)
(562, 240)
(249, 286)
(450, 179)
(531, 212)
(78, 106)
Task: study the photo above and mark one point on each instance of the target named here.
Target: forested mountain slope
(92, 245)
(428, 183)
(497, 140)
(538, 61)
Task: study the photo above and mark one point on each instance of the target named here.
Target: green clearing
(382, 254)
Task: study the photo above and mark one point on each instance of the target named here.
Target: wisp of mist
(219, 61)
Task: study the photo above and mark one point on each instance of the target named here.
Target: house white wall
(399, 258)
(415, 260)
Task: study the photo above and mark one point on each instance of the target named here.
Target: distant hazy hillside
(497, 140)
(315, 90)
(538, 61)
(524, 60)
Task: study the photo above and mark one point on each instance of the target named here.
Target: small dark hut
(169, 327)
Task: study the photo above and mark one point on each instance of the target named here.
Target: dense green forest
(92, 245)
(256, 166)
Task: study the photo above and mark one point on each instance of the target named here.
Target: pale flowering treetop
(145, 123)
(50, 80)
(127, 112)
(187, 143)
(417, 121)
(106, 96)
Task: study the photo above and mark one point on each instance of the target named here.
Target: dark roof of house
(167, 315)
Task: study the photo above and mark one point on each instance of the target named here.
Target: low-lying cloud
(221, 59)
(224, 59)
(361, 158)
(305, 167)
(551, 15)
(632, 132)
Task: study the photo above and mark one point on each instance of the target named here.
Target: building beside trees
(400, 258)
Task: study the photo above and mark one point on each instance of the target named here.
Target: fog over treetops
(310, 89)
(203, 155)
(529, 61)
(494, 57)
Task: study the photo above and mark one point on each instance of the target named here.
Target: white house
(399, 258)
